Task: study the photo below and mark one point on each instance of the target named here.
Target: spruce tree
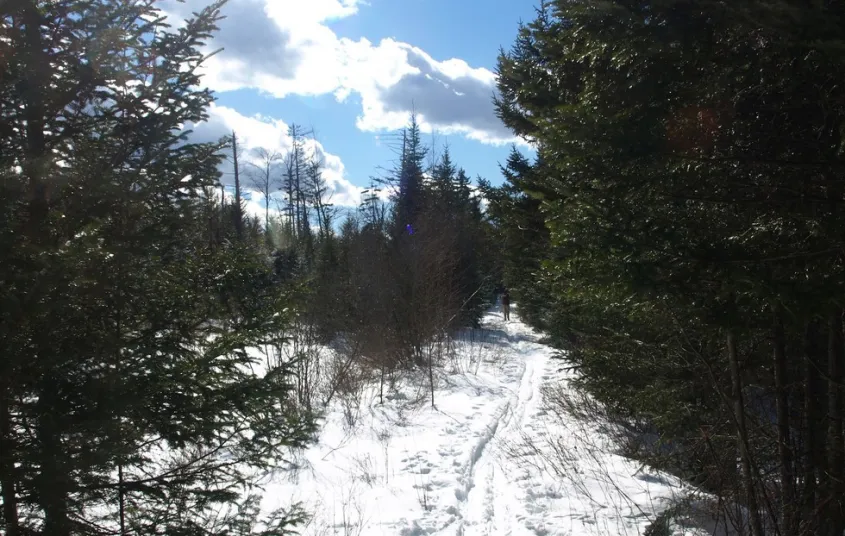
(522, 235)
(129, 404)
(409, 179)
(689, 182)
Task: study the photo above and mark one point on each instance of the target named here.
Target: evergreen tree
(522, 235)
(443, 184)
(689, 185)
(409, 196)
(127, 401)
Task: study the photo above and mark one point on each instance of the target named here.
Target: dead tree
(264, 178)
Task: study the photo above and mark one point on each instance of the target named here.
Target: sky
(351, 71)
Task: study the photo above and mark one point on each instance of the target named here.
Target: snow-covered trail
(494, 457)
(490, 508)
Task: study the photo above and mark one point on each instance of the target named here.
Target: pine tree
(443, 184)
(522, 235)
(409, 197)
(686, 177)
(128, 405)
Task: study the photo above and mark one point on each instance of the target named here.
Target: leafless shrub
(365, 469)
(343, 375)
(423, 490)
(352, 520)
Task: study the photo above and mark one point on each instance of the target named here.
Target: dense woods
(160, 348)
(677, 229)
(688, 249)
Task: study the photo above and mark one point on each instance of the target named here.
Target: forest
(677, 231)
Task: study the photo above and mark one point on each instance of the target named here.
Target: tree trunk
(836, 460)
(52, 485)
(431, 375)
(7, 466)
(221, 223)
(52, 481)
(36, 146)
(789, 526)
(290, 207)
(239, 218)
(294, 182)
(810, 497)
(742, 438)
(121, 493)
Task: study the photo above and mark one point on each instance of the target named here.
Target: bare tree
(435, 151)
(316, 189)
(239, 217)
(264, 178)
(295, 162)
(290, 191)
(236, 171)
(373, 209)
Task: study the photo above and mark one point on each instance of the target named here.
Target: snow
(494, 456)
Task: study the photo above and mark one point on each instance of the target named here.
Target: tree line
(680, 233)
(160, 348)
(398, 276)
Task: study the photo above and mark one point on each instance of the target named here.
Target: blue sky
(351, 70)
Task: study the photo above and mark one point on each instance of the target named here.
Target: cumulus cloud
(450, 96)
(255, 46)
(272, 134)
(284, 47)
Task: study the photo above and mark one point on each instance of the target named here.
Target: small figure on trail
(506, 304)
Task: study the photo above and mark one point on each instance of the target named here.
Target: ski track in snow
(478, 464)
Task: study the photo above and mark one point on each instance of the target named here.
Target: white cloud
(284, 47)
(272, 134)
(450, 96)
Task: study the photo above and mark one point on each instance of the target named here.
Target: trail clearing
(496, 456)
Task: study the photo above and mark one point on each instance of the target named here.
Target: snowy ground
(493, 457)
